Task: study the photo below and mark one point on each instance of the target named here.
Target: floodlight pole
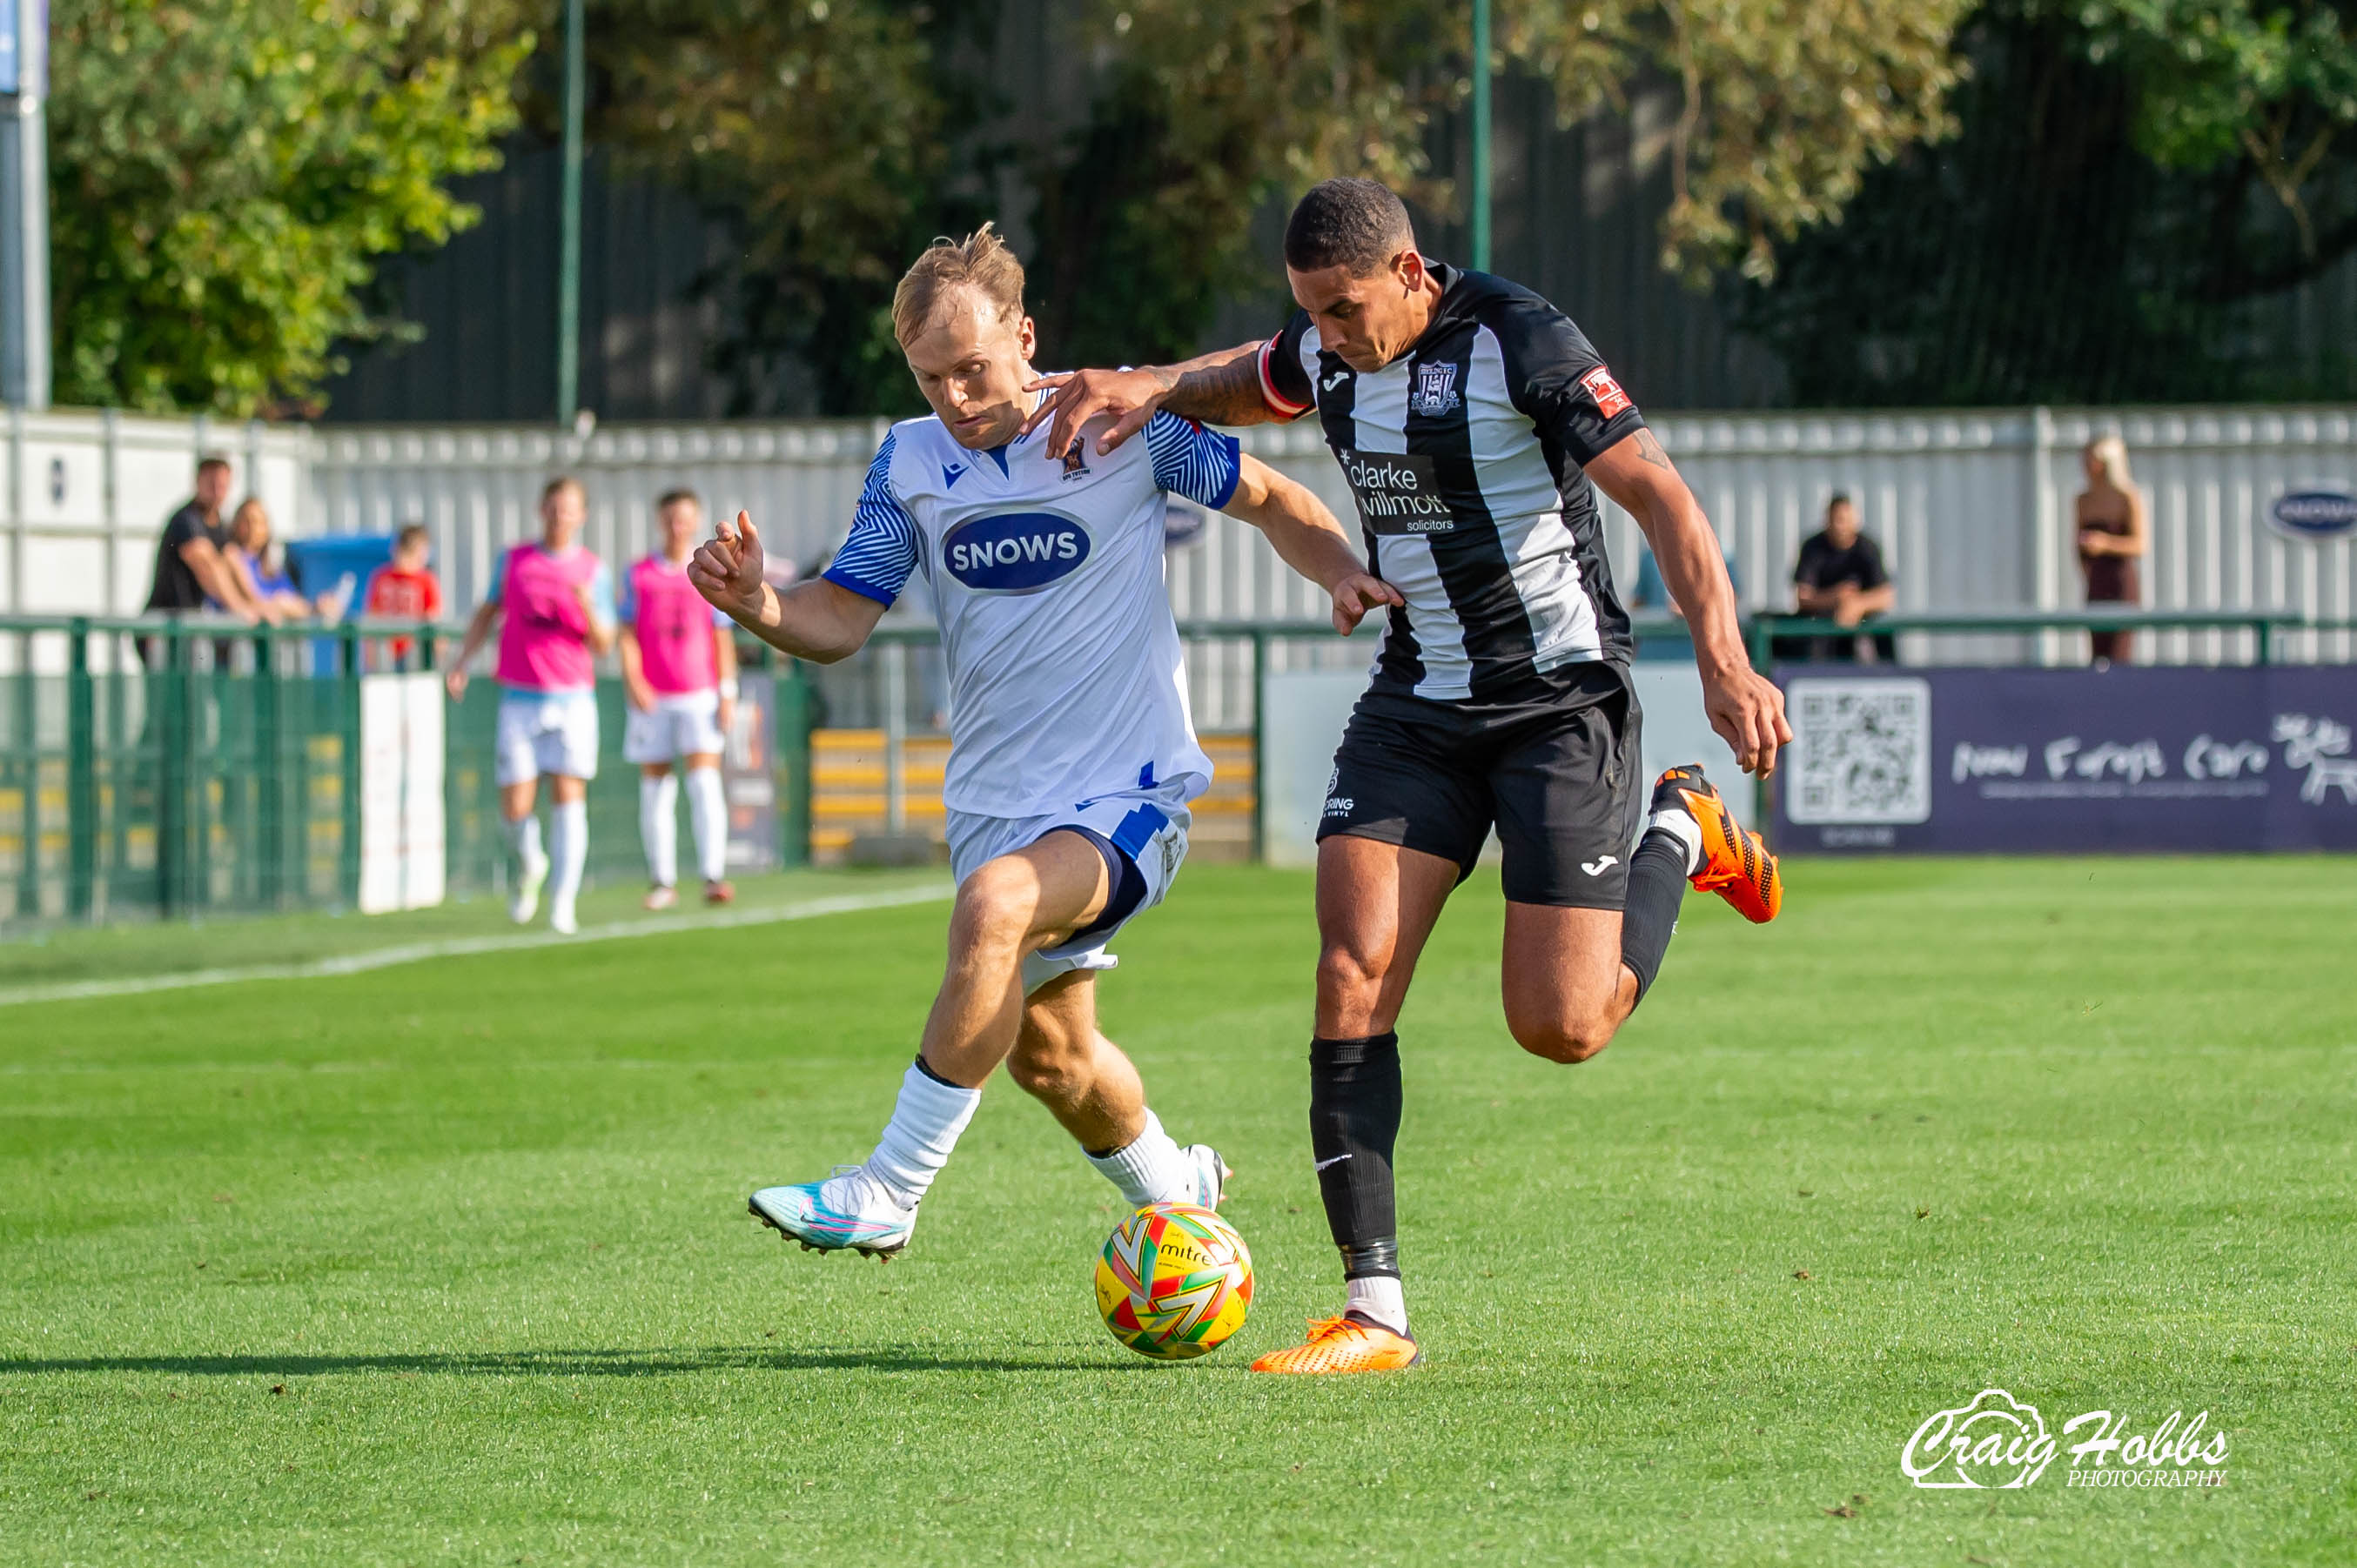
(24, 205)
(1481, 135)
(568, 260)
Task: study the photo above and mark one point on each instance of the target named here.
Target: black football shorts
(1553, 768)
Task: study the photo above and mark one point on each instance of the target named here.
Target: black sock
(1354, 1117)
(926, 1069)
(1657, 882)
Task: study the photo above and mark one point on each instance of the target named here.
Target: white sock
(568, 846)
(659, 827)
(1150, 1169)
(523, 836)
(707, 808)
(924, 1128)
(1379, 1297)
(1679, 824)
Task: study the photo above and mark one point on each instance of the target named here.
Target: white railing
(1972, 506)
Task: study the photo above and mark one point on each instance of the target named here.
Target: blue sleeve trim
(883, 544)
(866, 590)
(1202, 465)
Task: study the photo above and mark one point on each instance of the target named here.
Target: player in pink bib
(555, 601)
(679, 665)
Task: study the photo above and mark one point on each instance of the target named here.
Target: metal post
(269, 782)
(1482, 178)
(1260, 744)
(349, 846)
(29, 751)
(895, 738)
(25, 206)
(81, 777)
(568, 260)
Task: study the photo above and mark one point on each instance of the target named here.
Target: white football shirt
(1066, 678)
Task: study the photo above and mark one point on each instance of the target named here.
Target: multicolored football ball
(1174, 1282)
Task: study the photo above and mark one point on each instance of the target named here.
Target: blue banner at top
(1993, 760)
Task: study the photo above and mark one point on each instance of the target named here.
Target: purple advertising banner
(2067, 761)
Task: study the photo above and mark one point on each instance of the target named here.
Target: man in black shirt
(189, 566)
(1469, 416)
(1840, 576)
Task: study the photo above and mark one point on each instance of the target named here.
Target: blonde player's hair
(564, 482)
(2111, 454)
(980, 262)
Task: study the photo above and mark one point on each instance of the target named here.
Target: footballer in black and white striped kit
(1473, 422)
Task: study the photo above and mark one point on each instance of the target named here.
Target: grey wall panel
(1972, 508)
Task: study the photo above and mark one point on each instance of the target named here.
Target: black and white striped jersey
(1466, 458)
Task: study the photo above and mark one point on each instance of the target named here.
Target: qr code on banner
(1861, 751)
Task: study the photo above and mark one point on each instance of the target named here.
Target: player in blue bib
(1073, 754)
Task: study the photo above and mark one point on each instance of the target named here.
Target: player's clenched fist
(726, 568)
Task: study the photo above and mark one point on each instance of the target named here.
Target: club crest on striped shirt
(1436, 390)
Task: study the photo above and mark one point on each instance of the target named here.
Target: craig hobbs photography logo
(1999, 1443)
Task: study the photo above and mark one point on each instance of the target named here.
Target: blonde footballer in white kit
(1072, 754)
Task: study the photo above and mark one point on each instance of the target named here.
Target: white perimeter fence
(1973, 510)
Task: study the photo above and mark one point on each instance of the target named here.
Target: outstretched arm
(1308, 539)
(1745, 707)
(1219, 387)
(817, 620)
(478, 630)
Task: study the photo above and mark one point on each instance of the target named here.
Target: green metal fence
(154, 769)
(158, 769)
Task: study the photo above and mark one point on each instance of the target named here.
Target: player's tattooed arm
(817, 620)
(1218, 388)
(1745, 707)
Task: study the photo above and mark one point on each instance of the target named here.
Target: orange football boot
(1344, 1344)
(1735, 863)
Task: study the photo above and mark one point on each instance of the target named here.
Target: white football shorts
(546, 732)
(1148, 825)
(686, 724)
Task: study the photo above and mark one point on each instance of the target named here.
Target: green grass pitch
(448, 1263)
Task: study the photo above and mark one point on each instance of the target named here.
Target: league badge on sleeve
(1610, 400)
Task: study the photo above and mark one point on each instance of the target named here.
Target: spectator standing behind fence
(679, 668)
(190, 566)
(2111, 526)
(404, 588)
(1840, 577)
(558, 600)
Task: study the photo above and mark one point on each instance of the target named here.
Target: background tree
(820, 126)
(224, 174)
(1213, 106)
(2133, 186)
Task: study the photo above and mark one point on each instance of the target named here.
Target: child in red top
(407, 588)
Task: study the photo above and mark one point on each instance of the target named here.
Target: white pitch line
(468, 947)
